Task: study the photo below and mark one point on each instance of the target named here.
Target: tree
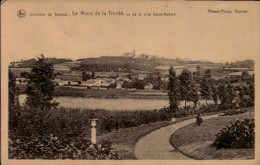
(93, 75)
(127, 85)
(13, 103)
(185, 85)
(85, 76)
(222, 94)
(12, 97)
(214, 93)
(205, 85)
(231, 94)
(173, 90)
(138, 84)
(130, 76)
(245, 76)
(198, 67)
(194, 96)
(226, 95)
(24, 74)
(242, 92)
(41, 86)
(251, 89)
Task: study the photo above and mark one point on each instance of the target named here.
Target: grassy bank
(196, 141)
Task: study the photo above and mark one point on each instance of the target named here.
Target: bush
(199, 120)
(240, 134)
(51, 147)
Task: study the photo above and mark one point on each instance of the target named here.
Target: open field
(111, 93)
(196, 141)
(114, 103)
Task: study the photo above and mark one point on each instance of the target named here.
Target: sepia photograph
(116, 81)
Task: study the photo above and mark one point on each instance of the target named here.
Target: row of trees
(181, 88)
(87, 76)
(185, 88)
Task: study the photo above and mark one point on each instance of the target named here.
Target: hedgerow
(60, 133)
(52, 147)
(240, 134)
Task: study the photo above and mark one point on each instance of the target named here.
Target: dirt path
(156, 145)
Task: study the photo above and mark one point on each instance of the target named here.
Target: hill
(125, 64)
(28, 63)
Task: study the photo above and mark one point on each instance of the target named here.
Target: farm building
(141, 76)
(120, 82)
(148, 86)
(118, 86)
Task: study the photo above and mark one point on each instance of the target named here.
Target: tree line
(187, 88)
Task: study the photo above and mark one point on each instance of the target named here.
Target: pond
(112, 104)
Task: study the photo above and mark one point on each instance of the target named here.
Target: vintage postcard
(132, 82)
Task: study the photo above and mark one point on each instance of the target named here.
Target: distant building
(130, 54)
(148, 86)
(74, 83)
(141, 76)
(118, 86)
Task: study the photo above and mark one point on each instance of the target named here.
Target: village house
(141, 76)
(74, 83)
(148, 86)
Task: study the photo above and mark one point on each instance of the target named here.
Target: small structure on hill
(148, 86)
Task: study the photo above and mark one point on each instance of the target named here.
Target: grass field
(111, 93)
(196, 141)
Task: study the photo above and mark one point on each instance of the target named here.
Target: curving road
(156, 145)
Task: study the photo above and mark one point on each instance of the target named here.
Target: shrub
(51, 147)
(240, 134)
(199, 120)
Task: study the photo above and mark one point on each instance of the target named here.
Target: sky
(190, 34)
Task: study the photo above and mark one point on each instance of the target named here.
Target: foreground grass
(124, 140)
(196, 141)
